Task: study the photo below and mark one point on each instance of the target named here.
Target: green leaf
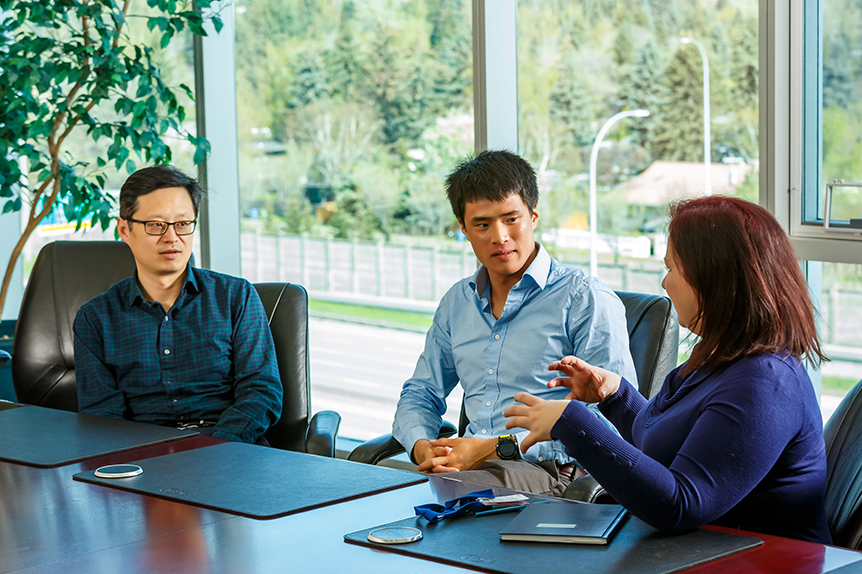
(166, 39)
(188, 91)
(200, 155)
(217, 24)
(130, 167)
(143, 89)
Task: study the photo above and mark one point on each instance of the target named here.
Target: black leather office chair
(67, 274)
(286, 308)
(843, 437)
(653, 341)
(4, 358)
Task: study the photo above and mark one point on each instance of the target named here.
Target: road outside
(358, 371)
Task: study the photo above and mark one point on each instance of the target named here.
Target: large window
(692, 66)
(587, 75)
(350, 113)
(832, 104)
(826, 137)
(349, 116)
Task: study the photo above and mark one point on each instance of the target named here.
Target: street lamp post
(707, 178)
(594, 265)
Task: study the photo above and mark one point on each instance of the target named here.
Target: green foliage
(70, 65)
(838, 86)
(641, 88)
(664, 15)
(679, 121)
(354, 218)
(361, 89)
(571, 102)
(624, 45)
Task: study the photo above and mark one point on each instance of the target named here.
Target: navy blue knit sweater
(740, 447)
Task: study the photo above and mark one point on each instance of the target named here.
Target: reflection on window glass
(846, 203)
(349, 115)
(833, 100)
(582, 62)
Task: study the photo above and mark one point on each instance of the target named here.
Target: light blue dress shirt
(553, 311)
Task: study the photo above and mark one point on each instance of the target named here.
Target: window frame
(800, 70)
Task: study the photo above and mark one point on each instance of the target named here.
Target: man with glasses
(173, 344)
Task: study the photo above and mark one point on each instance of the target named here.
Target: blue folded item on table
(456, 507)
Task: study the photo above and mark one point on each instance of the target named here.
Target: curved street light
(593, 157)
(707, 178)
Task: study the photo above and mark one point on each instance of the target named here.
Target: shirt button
(497, 337)
(167, 351)
(541, 458)
(490, 371)
(166, 317)
(488, 404)
(175, 400)
(484, 431)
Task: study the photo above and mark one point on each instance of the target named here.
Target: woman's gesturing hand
(587, 383)
(536, 415)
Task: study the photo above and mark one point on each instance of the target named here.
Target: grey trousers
(538, 478)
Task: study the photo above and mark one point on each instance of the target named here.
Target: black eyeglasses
(161, 227)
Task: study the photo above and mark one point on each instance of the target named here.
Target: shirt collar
(538, 271)
(136, 294)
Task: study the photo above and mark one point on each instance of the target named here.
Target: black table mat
(43, 437)
(474, 542)
(256, 481)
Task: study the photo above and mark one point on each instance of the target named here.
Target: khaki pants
(538, 478)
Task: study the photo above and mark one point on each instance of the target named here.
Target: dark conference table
(51, 523)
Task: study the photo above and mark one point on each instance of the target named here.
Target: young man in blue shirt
(175, 345)
(497, 331)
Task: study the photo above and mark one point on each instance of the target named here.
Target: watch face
(506, 449)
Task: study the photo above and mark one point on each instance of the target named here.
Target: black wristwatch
(507, 447)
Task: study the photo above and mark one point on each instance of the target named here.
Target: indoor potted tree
(69, 65)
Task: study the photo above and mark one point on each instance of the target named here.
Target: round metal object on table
(395, 535)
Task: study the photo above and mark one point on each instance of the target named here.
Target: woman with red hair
(735, 436)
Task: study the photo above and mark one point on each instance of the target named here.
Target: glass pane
(841, 304)
(832, 100)
(580, 63)
(350, 114)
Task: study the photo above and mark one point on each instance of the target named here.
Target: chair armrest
(322, 430)
(4, 357)
(588, 489)
(385, 446)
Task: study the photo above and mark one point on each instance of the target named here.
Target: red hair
(752, 296)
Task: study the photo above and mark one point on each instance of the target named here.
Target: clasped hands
(585, 382)
(453, 454)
